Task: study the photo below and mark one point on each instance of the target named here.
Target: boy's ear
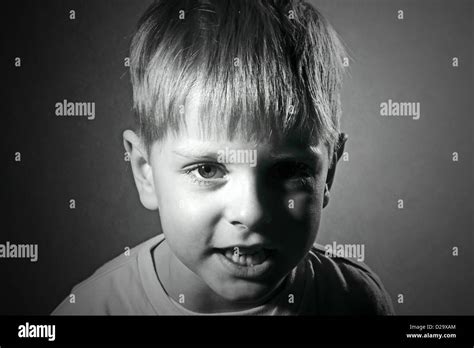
(338, 152)
(141, 168)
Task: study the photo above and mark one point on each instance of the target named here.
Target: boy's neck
(179, 280)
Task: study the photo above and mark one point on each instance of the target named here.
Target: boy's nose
(246, 204)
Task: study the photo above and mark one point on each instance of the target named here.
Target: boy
(237, 104)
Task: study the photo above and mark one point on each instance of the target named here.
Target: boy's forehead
(202, 134)
(193, 137)
(184, 144)
(201, 127)
(199, 147)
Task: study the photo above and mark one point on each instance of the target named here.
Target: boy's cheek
(193, 207)
(182, 215)
(301, 206)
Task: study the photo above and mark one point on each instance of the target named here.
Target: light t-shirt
(129, 285)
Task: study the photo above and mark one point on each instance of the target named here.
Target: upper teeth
(238, 251)
(237, 256)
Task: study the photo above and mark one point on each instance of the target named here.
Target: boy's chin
(245, 293)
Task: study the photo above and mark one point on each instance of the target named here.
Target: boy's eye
(290, 170)
(292, 176)
(207, 171)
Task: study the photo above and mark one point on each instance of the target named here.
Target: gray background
(389, 158)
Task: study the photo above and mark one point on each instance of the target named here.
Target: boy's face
(217, 198)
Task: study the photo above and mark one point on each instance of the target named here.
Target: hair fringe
(287, 80)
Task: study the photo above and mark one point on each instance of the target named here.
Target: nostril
(267, 219)
(240, 227)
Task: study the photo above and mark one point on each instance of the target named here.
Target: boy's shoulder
(115, 288)
(346, 286)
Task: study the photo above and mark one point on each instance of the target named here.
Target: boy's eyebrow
(198, 155)
(208, 152)
(311, 154)
(196, 152)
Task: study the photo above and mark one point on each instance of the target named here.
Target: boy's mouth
(248, 262)
(246, 256)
